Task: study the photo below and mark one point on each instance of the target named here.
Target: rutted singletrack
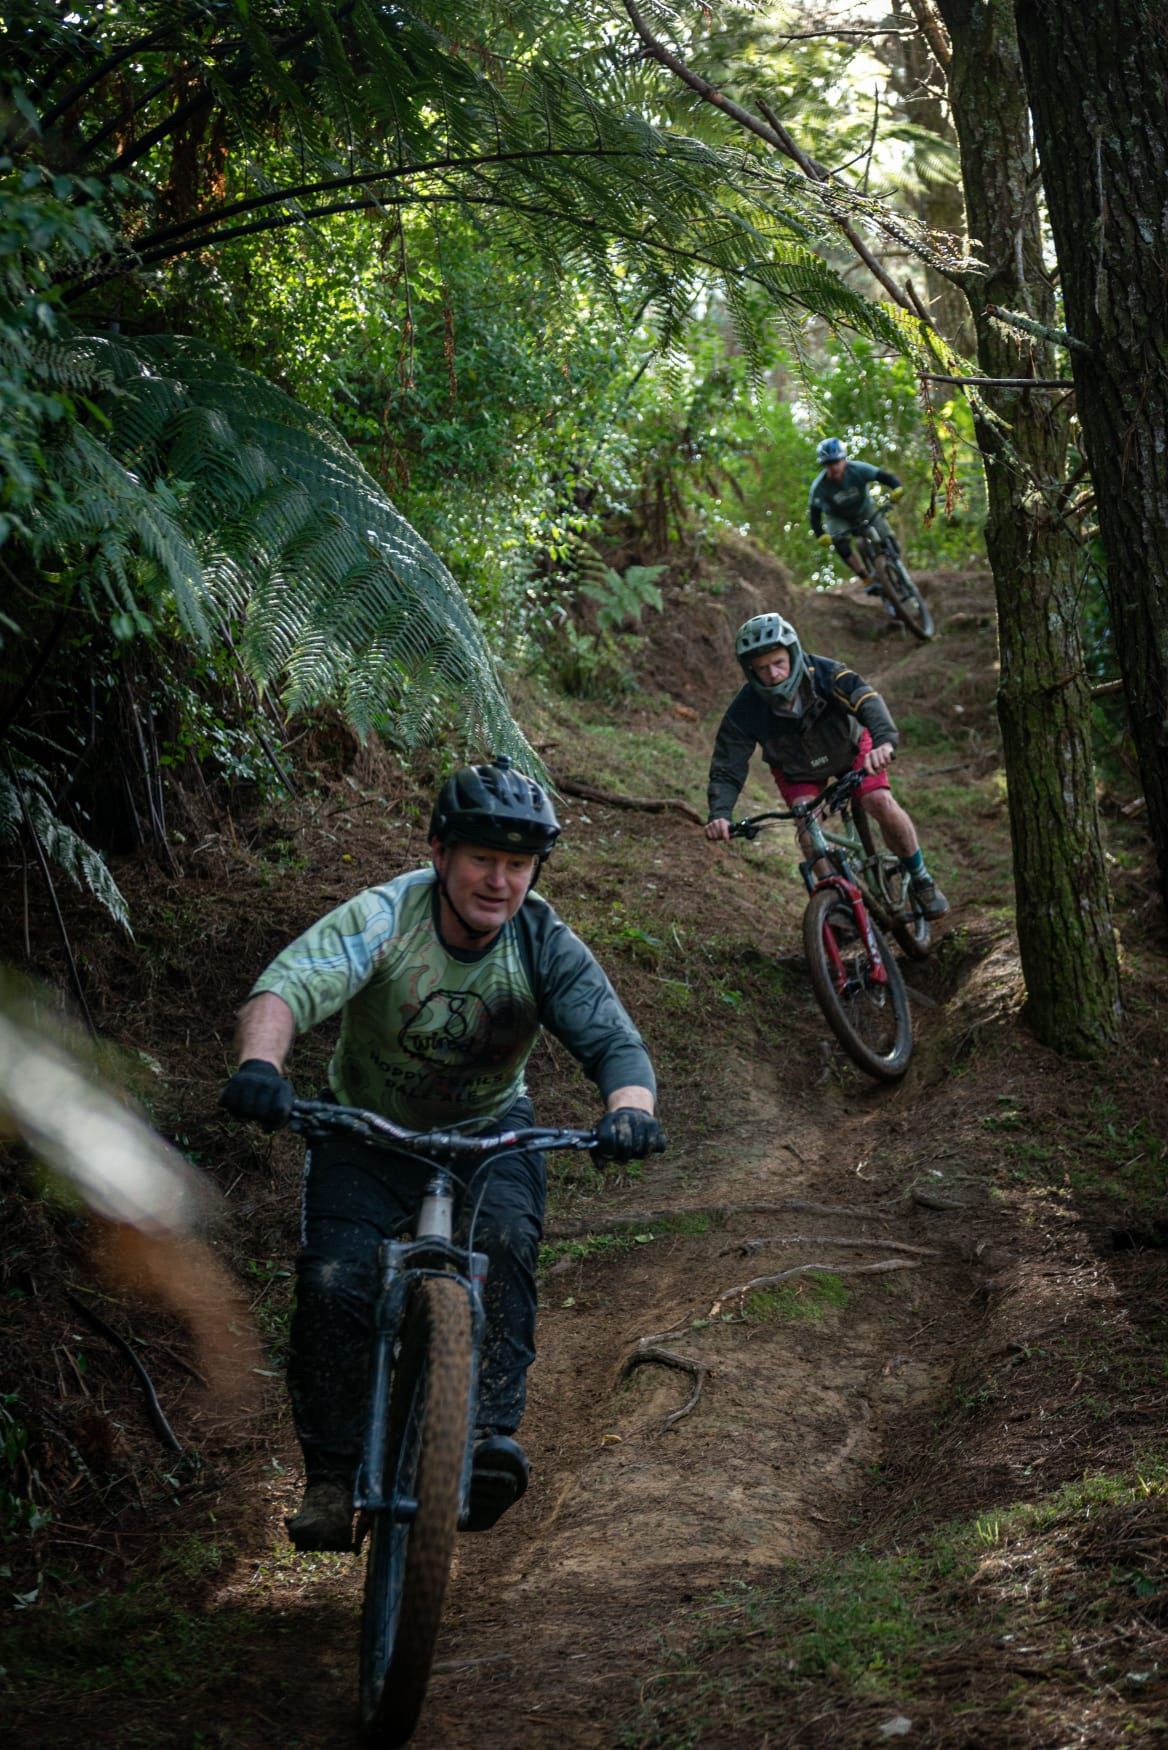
(552, 1625)
(552, 1619)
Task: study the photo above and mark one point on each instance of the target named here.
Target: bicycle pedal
(498, 1479)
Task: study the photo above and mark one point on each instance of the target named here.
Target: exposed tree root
(745, 1247)
(744, 1288)
(614, 799)
(715, 1212)
(648, 1353)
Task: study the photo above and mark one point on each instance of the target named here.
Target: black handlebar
(316, 1118)
(830, 800)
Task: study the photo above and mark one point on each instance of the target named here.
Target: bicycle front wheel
(869, 1017)
(412, 1540)
(903, 597)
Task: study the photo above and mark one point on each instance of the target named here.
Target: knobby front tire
(903, 596)
(871, 1020)
(907, 921)
(409, 1562)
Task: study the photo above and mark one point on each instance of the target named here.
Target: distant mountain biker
(840, 498)
(814, 719)
(443, 978)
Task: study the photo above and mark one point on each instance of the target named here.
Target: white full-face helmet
(767, 632)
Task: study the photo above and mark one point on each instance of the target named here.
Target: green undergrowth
(811, 1300)
(686, 1224)
(961, 1633)
(153, 1631)
(1100, 1153)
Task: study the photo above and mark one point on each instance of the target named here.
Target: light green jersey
(432, 1035)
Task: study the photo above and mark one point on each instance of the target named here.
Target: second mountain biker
(840, 497)
(814, 719)
(442, 979)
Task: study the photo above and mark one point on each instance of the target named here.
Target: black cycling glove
(258, 1091)
(628, 1134)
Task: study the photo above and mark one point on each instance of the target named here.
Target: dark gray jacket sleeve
(733, 750)
(852, 690)
(579, 1006)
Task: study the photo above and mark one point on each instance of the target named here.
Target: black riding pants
(356, 1196)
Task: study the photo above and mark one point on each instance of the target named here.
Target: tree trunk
(919, 85)
(1062, 903)
(1098, 84)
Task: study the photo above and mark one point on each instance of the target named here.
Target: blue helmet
(831, 450)
(767, 632)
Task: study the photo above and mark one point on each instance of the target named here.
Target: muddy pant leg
(508, 1229)
(349, 1206)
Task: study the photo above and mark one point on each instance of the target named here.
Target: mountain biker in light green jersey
(442, 978)
(840, 498)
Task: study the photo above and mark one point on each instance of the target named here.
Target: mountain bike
(412, 1490)
(880, 554)
(855, 887)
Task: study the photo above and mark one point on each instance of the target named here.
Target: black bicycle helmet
(767, 632)
(497, 806)
(830, 450)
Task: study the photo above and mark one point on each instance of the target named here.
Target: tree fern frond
(249, 506)
(59, 842)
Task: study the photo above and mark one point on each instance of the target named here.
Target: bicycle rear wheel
(870, 1019)
(903, 597)
(409, 1554)
(906, 920)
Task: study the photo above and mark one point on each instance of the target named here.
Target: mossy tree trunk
(1063, 908)
(1097, 79)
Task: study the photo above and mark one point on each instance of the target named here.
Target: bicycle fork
(877, 972)
(402, 1265)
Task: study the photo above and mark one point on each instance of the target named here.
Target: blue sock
(914, 866)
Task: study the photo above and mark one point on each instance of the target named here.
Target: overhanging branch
(774, 134)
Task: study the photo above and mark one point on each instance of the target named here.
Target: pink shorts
(801, 792)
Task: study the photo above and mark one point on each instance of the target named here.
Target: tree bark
(1063, 908)
(1097, 80)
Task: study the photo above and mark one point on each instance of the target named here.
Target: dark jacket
(819, 743)
(846, 499)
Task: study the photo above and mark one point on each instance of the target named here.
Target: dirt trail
(552, 1619)
(630, 1523)
(551, 1623)
(816, 1388)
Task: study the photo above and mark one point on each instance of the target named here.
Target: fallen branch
(614, 799)
(745, 1288)
(647, 1355)
(716, 1212)
(157, 1416)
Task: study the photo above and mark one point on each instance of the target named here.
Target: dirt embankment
(887, 1311)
